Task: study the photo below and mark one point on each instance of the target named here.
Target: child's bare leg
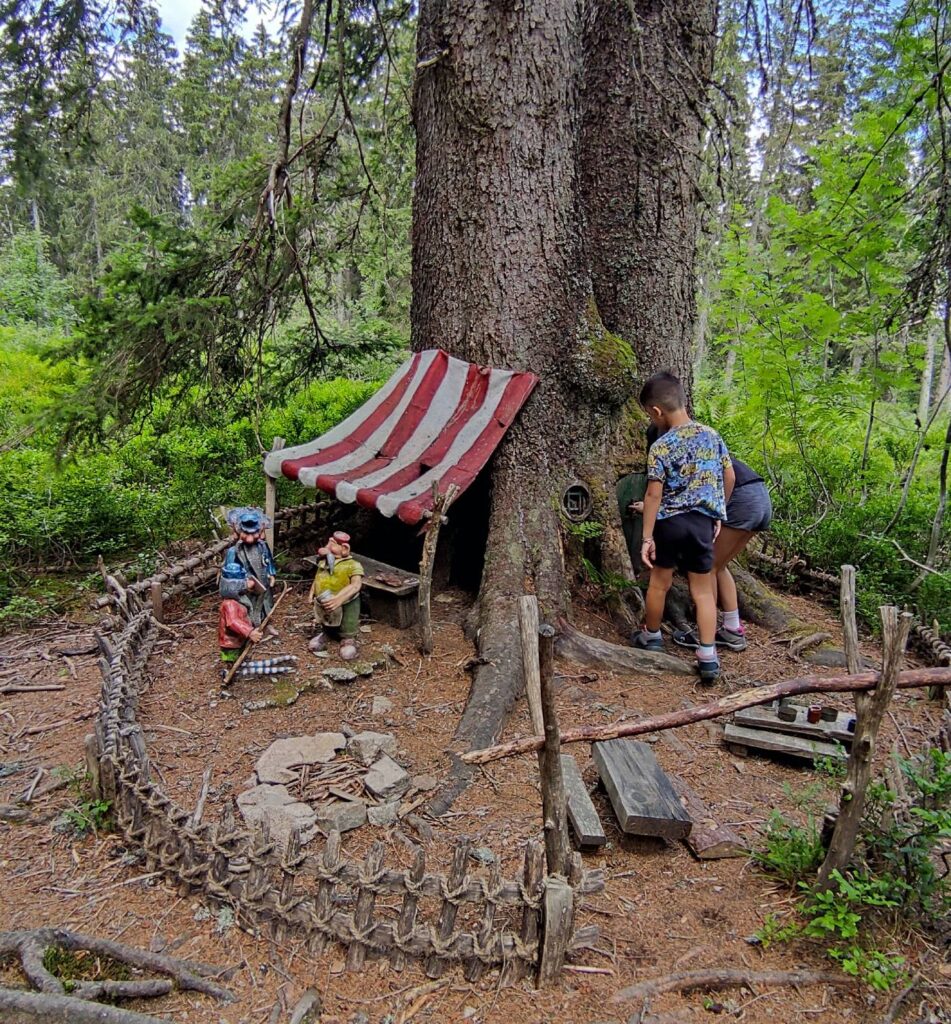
(729, 543)
(657, 597)
(704, 598)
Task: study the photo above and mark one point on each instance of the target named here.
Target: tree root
(587, 650)
(18, 1007)
(32, 946)
(690, 981)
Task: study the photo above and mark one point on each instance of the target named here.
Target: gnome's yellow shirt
(343, 571)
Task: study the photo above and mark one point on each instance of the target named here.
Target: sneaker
(709, 671)
(687, 638)
(731, 639)
(644, 642)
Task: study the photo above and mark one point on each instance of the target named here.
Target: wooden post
(440, 504)
(850, 633)
(528, 628)
(895, 629)
(270, 495)
(158, 610)
(556, 929)
(554, 810)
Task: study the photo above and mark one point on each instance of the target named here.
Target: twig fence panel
(437, 919)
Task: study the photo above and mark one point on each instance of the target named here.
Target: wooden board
(766, 718)
(780, 743)
(643, 798)
(708, 839)
(582, 814)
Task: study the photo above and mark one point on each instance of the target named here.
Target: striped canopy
(436, 419)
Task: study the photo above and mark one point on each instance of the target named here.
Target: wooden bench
(388, 594)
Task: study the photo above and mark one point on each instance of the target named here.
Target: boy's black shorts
(685, 542)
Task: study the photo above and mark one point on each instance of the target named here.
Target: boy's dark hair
(664, 390)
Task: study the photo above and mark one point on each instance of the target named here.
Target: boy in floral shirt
(690, 478)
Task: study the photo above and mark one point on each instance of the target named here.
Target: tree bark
(516, 246)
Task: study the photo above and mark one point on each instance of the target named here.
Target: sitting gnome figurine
(336, 596)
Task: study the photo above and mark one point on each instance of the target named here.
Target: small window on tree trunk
(576, 502)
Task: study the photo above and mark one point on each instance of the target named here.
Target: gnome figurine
(336, 596)
(251, 556)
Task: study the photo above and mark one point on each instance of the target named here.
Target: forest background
(154, 337)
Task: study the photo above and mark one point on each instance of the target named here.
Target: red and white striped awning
(436, 419)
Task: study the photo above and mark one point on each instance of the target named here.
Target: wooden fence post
(441, 503)
(556, 929)
(157, 600)
(895, 629)
(528, 628)
(554, 803)
(270, 495)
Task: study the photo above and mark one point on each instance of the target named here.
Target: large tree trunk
(647, 66)
(501, 276)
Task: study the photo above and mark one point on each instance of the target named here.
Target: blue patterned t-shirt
(689, 461)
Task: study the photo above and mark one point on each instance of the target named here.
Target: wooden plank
(643, 798)
(527, 610)
(766, 718)
(708, 839)
(556, 929)
(585, 822)
(781, 743)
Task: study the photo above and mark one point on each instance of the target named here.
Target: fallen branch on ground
(724, 706)
(32, 945)
(689, 981)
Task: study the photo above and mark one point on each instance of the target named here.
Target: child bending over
(690, 477)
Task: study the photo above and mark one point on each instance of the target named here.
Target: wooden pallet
(766, 718)
(643, 798)
(741, 738)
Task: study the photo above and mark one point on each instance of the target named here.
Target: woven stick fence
(774, 561)
(434, 918)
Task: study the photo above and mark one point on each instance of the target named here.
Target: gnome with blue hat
(246, 585)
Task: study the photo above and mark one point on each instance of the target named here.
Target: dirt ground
(662, 911)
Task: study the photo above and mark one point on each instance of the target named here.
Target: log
(588, 650)
(908, 680)
(895, 630)
(527, 607)
(708, 839)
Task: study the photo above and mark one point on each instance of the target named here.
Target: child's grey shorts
(749, 507)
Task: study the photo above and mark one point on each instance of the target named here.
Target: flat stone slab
(367, 746)
(274, 765)
(339, 675)
(386, 779)
(341, 815)
(381, 705)
(275, 807)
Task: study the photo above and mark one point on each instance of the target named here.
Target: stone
(423, 783)
(274, 765)
(483, 855)
(386, 779)
(276, 807)
(381, 705)
(339, 675)
(383, 814)
(367, 746)
(363, 668)
(468, 1012)
(341, 815)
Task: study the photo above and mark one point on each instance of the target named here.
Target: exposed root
(58, 1001)
(588, 650)
(690, 981)
(19, 1007)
